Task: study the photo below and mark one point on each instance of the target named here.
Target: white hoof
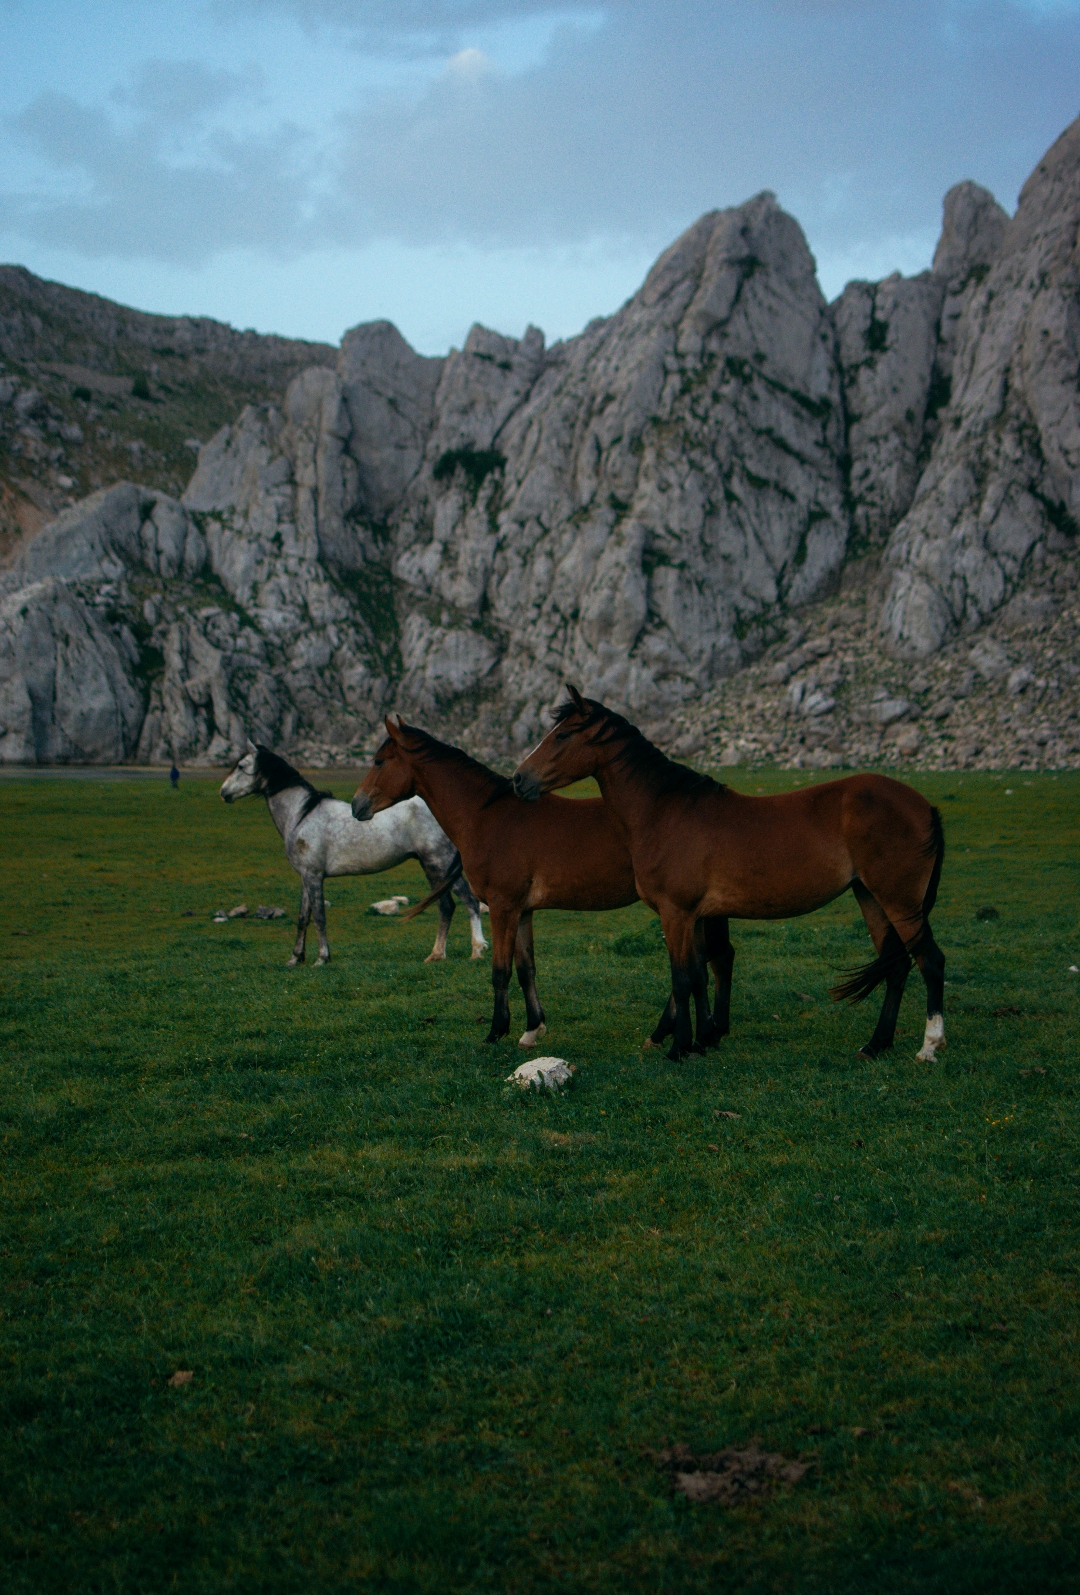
(291, 963)
(479, 948)
(322, 960)
(531, 1037)
(933, 1040)
(435, 958)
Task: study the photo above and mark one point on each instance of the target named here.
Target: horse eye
(378, 764)
(563, 736)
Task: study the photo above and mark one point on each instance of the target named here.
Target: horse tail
(894, 958)
(935, 849)
(436, 893)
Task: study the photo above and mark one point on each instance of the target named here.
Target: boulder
(543, 1074)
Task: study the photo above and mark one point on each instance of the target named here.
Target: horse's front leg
(318, 913)
(504, 925)
(687, 976)
(525, 958)
(301, 926)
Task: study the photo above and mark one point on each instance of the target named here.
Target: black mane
(639, 756)
(278, 775)
(432, 751)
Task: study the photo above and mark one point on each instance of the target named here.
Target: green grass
(436, 1326)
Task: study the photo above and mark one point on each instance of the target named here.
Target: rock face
(92, 392)
(1001, 486)
(896, 342)
(642, 508)
(632, 506)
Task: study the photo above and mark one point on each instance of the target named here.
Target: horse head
(390, 779)
(245, 777)
(568, 753)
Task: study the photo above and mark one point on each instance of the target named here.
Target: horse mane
(431, 751)
(279, 776)
(639, 756)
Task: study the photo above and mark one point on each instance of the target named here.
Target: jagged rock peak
(972, 229)
(390, 394)
(639, 508)
(1002, 484)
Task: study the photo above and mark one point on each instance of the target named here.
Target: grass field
(436, 1327)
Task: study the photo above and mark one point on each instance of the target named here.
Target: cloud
(400, 24)
(858, 113)
(135, 193)
(181, 93)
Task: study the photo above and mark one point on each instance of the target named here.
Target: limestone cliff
(1002, 484)
(641, 508)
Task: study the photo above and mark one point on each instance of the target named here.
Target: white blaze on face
(539, 745)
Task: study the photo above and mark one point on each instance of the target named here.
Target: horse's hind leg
(886, 943)
(435, 873)
(931, 962)
(464, 891)
(717, 951)
(665, 1025)
(525, 958)
(301, 926)
(318, 913)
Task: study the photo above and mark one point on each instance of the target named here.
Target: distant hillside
(92, 392)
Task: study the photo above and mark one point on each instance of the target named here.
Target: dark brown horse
(700, 849)
(558, 853)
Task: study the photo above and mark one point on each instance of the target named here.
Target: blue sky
(302, 165)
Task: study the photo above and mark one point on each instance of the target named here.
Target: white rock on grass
(543, 1072)
(388, 905)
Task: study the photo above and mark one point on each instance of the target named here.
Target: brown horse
(560, 853)
(700, 849)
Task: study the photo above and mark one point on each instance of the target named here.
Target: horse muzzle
(361, 806)
(527, 786)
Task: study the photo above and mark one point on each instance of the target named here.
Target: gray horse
(322, 838)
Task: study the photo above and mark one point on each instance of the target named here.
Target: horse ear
(392, 722)
(576, 698)
(251, 746)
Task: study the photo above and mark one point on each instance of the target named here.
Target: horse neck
(455, 794)
(626, 792)
(285, 807)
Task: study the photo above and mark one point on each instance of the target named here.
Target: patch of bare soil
(731, 1476)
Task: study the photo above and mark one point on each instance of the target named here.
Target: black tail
(894, 957)
(935, 849)
(433, 896)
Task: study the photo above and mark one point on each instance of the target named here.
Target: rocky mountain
(92, 392)
(655, 508)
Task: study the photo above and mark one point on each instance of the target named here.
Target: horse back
(785, 853)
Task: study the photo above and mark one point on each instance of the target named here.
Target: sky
(300, 166)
